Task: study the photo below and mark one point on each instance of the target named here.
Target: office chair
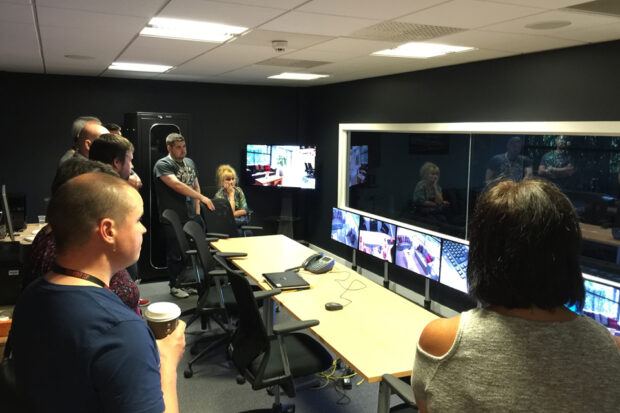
(391, 384)
(221, 222)
(216, 301)
(263, 360)
(190, 275)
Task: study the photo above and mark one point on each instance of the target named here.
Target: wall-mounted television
(377, 238)
(291, 166)
(454, 260)
(345, 227)
(602, 302)
(418, 252)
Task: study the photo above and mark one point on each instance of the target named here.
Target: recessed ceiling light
(418, 50)
(551, 24)
(297, 76)
(139, 67)
(190, 30)
(79, 57)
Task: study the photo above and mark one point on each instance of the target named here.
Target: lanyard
(78, 274)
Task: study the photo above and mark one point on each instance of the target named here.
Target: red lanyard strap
(78, 274)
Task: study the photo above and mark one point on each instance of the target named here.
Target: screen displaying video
(281, 166)
(602, 304)
(418, 252)
(377, 238)
(345, 227)
(454, 258)
(358, 164)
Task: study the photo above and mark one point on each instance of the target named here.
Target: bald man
(87, 136)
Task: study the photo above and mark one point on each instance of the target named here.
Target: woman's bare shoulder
(439, 335)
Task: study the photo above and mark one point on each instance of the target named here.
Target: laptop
(287, 280)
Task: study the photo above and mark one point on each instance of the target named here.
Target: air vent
(302, 64)
(607, 7)
(403, 32)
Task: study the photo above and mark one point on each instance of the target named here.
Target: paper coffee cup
(162, 318)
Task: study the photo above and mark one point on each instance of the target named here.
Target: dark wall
(576, 84)
(39, 111)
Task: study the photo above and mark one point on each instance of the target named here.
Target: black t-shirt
(168, 198)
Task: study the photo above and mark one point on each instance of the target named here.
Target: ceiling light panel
(139, 67)
(297, 76)
(418, 50)
(191, 30)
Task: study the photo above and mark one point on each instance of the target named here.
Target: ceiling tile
(593, 34)
(321, 24)
(225, 58)
(544, 4)
(578, 21)
(141, 8)
(353, 47)
(276, 4)
(16, 13)
(104, 24)
(518, 43)
(163, 51)
(217, 12)
(369, 9)
(295, 40)
(468, 14)
(19, 48)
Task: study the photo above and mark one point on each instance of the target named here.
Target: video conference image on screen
(281, 166)
(345, 227)
(418, 252)
(377, 238)
(454, 258)
(603, 305)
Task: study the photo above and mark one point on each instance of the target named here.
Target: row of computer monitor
(439, 259)
(446, 261)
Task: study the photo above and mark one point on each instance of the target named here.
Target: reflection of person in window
(427, 192)
(557, 165)
(510, 165)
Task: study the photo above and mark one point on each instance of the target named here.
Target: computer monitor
(7, 214)
(280, 166)
(345, 227)
(454, 259)
(602, 302)
(418, 252)
(377, 238)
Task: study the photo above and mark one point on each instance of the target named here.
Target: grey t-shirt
(168, 198)
(508, 364)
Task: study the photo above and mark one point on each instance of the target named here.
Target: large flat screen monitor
(7, 214)
(454, 259)
(345, 227)
(418, 252)
(377, 238)
(290, 166)
(602, 302)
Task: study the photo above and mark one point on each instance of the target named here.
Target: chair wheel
(240, 380)
(188, 373)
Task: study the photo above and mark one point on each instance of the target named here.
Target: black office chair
(216, 301)
(264, 360)
(191, 274)
(221, 221)
(392, 385)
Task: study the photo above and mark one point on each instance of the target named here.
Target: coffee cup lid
(162, 311)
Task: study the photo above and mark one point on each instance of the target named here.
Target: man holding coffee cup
(76, 346)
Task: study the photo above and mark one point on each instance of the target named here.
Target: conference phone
(316, 263)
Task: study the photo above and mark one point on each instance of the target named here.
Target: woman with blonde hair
(226, 179)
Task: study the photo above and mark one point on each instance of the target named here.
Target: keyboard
(456, 255)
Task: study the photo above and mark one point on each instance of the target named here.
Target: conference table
(377, 330)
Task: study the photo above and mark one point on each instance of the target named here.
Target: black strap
(78, 274)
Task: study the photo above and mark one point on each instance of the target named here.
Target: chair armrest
(212, 239)
(293, 325)
(217, 272)
(231, 254)
(261, 295)
(191, 252)
(400, 388)
(251, 227)
(217, 235)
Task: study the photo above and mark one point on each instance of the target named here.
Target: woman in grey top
(524, 351)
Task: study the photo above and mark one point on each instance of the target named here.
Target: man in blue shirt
(76, 346)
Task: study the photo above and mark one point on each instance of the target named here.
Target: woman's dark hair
(525, 244)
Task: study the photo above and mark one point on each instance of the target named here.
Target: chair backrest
(196, 233)
(173, 219)
(221, 220)
(250, 340)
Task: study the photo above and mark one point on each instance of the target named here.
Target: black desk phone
(318, 263)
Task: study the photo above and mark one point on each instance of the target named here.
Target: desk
(598, 234)
(273, 180)
(20, 236)
(375, 334)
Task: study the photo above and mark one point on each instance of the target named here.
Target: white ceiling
(333, 37)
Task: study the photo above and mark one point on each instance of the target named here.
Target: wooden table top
(24, 237)
(377, 330)
(598, 234)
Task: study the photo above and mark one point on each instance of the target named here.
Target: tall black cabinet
(147, 131)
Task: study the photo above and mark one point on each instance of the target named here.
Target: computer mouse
(331, 306)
